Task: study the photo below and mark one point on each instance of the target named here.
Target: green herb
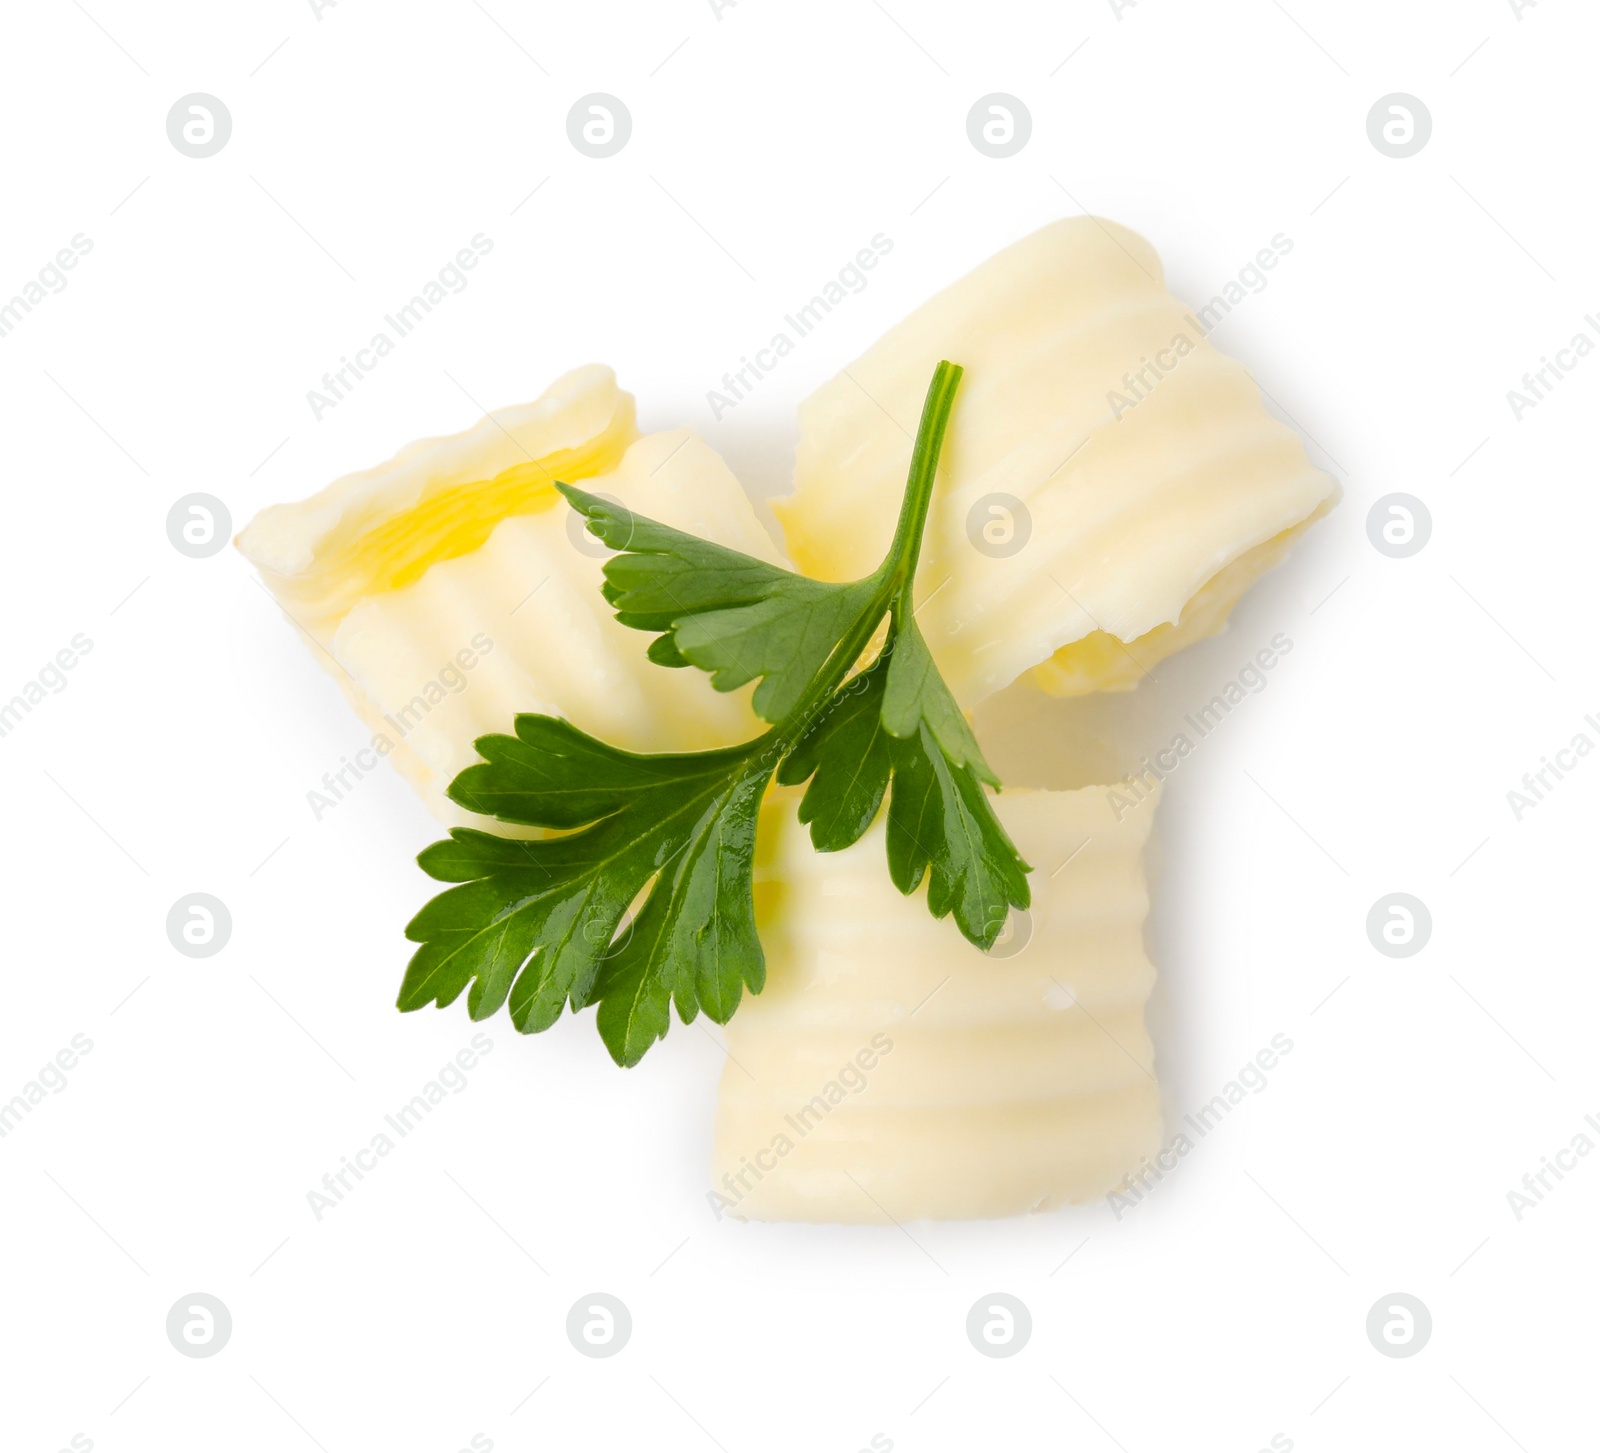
(540, 925)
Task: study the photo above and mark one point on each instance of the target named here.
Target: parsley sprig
(543, 924)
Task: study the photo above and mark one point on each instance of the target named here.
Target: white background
(769, 144)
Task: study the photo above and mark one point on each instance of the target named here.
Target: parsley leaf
(537, 922)
(642, 898)
(727, 613)
(846, 756)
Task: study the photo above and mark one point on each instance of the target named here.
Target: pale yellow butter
(454, 588)
(891, 1069)
(1153, 485)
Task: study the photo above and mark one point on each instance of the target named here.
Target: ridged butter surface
(532, 590)
(453, 587)
(1134, 505)
(381, 528)
(891, 1069)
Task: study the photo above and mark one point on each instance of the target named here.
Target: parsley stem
(901, 563)
(894, 577)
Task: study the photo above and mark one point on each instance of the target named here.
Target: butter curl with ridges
(381, 528)
(453, 588)
(1147, 522)
(891, 1069)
